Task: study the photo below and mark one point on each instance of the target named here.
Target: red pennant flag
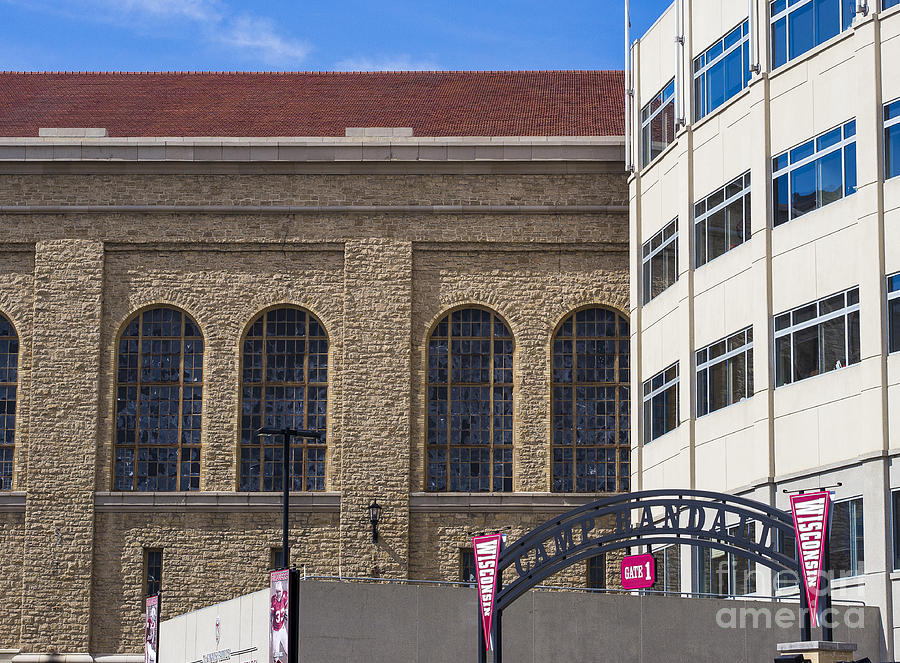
(810, 513)
(487, 557)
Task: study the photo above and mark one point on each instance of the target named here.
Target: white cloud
(259, 36)
(214, 21)
(385, 63)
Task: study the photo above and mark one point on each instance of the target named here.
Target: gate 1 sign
(638, 572)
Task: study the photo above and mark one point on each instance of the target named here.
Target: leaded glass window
(591, 442)
(9, 377)
(470, 403)
(159, 394)
(284, 384)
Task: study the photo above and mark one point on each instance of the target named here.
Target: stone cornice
(12, 502)
(216, 502)
(551, 503)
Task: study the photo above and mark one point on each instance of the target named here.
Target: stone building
(430, 268)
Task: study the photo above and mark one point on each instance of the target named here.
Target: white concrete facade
(840, 426)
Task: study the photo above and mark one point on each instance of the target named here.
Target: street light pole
(286, 435)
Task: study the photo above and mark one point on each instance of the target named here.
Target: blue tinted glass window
(828, 139)
(850, 169)
(779, 42)
(829, 177)
(821, 171)
(715, 85)
(803, 189)
(892, 111)
(828, 19)
(891, 3)
(734, 73)
(849, 10)
(802, 30)
(778, 7)
(894, 283)
(805, 150)
(892, 151)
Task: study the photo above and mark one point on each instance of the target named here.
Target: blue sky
(152, 35)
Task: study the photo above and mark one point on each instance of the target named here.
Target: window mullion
(491, 404)
(179, 451)
(137, 399)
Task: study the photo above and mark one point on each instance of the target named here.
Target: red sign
(487, 556)
(638, 571)
(151, 629)
(279, 617)
(810, 513)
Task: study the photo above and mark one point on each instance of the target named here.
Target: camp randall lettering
(701, 521)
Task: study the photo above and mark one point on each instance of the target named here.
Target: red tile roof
(435, 103)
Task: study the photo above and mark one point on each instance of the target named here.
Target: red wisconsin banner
(487, 556)
(810, 513)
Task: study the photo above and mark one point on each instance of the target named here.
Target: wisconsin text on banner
(487, 556)
(810, 513)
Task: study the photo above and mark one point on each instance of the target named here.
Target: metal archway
(697, 518)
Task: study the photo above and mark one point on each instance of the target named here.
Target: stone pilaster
(376, 409)
(61, 447)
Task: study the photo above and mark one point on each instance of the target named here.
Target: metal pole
(286, 499)
(482, 652)
(805, 626)
(827, 623)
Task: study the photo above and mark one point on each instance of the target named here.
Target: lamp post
(286, 435)
(374, 516)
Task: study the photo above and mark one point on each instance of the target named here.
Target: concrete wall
(403, 624)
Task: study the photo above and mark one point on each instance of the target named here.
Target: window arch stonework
(159, 395)
(469, 428)
(284, 384)
(9, 378)
(590, 443)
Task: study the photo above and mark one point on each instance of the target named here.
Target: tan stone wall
(12, 546)
(377, 282)
(207, 558)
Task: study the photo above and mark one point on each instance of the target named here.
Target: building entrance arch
(698, 518)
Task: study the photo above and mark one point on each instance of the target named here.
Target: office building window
(159, 394)
(727, 574)
(596, 572)
(892, 139)
(668, 570)
(9, 379)
(658, 124)
(893, 312)
(847, 549)
(661, 403)
(721, 71)
(660, 261)
(722, 220)
(152, 570)
(895, 526)
(725, 372)
(800, 25)
(284, 384)
(467, 569)
(814, 174)
(591, 444)
(890, 3)
(817, 338)
(470, 403)
(783, 579)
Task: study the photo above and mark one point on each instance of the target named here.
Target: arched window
(591, 443)
(159, 392)
(470, 403)
(284, 384)
(9, 376)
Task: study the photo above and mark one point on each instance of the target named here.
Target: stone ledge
(221, 502)
(12, 502)
(815, 645)
(497, 502)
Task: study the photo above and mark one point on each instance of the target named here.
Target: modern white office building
(765, 248)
